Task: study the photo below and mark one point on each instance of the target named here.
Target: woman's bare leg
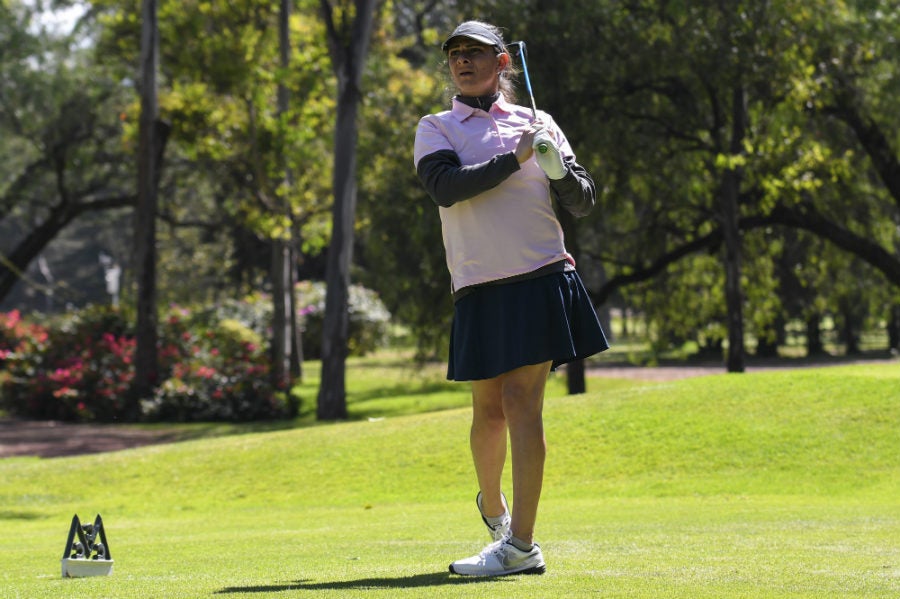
(513, 400)
(488, 442)
(523, 403)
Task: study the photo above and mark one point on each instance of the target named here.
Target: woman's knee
(523, 391)
(523, 403)
(489, 417)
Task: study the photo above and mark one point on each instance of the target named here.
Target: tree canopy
(759, 137)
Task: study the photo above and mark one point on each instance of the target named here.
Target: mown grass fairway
(767, 485)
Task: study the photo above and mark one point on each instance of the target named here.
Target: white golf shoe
(501, 558)
(497, 531)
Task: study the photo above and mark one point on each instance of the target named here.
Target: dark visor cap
(476, 31)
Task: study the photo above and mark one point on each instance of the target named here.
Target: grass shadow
(20, 515)
(405, 389)
(401, 582)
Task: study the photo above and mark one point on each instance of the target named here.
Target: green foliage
(369, 323)
(218, 370)
(369, 319)
(642, 90)
(238, 169)
(645, 95)
(399, 230)
(61, 157)
(79, 367)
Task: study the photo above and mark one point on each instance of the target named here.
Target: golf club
(542, 148)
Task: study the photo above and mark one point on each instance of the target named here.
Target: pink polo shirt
(508, 230)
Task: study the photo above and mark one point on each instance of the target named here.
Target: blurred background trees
(746, 152)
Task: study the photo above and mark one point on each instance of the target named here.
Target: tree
(245, 161)
(348, 28)
(797, 126)
(284, 321)
(59, 128)
(400, 243)
(152, 141)
(663, 81)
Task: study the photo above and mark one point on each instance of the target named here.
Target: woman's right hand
(524, 149)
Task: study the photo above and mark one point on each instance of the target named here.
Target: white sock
(520, 544)
(496, 520)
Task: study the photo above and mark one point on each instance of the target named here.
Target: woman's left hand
(548, 156)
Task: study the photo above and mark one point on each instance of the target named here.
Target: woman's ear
(503, 61)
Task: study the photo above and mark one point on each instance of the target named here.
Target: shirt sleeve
(575, 192)
(448, 182)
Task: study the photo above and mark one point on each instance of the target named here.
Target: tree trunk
(574, 370)
(731, 235)
(146, 357)
(282, 287)
(296, 365)
(849, 334)
(332, 402)
(296, 325)
(348, 51)
(894, 329)
(281, 318)
(814, 345)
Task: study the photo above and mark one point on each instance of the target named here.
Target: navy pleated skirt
(498, 328)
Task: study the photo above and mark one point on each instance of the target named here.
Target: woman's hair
(507, 80)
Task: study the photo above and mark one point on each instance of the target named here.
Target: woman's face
(475, 67)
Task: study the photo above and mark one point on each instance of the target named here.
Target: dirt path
(50, 439)
(672, 372)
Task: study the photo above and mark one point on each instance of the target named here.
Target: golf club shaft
(542, 148)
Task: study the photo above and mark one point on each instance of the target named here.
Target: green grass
(767, 485)
(391, 384)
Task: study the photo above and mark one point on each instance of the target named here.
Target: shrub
(80, 368)
(213, 365)
(19, 336)
(369, 319)
(19, 340)
(369, 325)
(215, 370)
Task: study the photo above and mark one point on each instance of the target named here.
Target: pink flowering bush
(80, 368)
(19, 340)
(17, 335)
(215, 370)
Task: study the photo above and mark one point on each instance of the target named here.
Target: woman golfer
(520, 309)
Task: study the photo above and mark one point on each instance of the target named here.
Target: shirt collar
(462, 111)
